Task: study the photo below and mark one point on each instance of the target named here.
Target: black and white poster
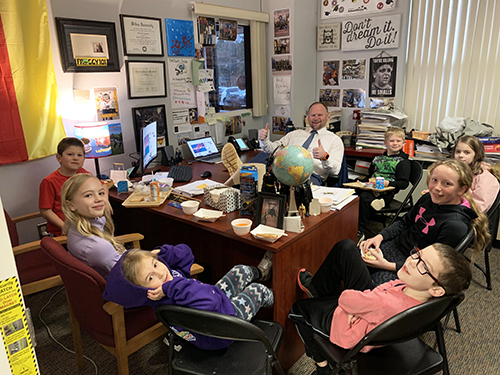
(383, 76)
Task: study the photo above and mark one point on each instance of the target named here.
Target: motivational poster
(371, 33)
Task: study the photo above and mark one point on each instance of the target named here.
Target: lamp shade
(96, 137)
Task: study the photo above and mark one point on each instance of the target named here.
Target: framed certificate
(87, 46)
(146, 79)
(141, 36)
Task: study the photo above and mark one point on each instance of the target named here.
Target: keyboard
(212, 159)
(180, 173)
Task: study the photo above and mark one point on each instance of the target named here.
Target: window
(452, 67)
(232, 75)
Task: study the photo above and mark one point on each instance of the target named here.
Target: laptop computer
(205, 150)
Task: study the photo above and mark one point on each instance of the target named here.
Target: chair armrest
(32, 215)
(131, 237)
(30, 246)
(112, 308)
(196, 269)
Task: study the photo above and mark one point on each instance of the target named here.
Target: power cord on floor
(50, 333)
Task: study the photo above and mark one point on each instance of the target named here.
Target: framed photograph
(270, 210)
(143, 116)
(141, 36)
(87, 46)
(145, 79)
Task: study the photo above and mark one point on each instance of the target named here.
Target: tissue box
(222, 197)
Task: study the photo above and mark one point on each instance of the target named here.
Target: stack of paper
(194, 188)
(340, 196)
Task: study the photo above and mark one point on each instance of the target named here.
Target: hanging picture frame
(141, 36)
(143, 116)
(145, 79)
(270, 210)
(87, 46)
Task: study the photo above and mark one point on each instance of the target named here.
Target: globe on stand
(293, 166)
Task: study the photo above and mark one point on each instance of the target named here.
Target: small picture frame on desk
(270, 210)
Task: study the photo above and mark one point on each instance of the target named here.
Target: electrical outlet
(42, 230)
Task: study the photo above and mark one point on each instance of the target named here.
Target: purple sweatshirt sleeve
(178, 257)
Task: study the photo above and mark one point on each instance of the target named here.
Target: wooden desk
(216, 244)
(363, 153)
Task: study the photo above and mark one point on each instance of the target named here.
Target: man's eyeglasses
(422, 267)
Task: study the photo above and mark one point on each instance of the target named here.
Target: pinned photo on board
(353, 98)
(353, 69)
(281, 22)
(330, 97)
(331, 73)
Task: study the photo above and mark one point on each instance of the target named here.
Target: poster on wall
(330, 97)
(353, 98)
(180, 37)
(371, 33)
(337, 8)
(383, 76)
(206, 29)
(331, 73)
(353, 69)
(329, 37)
(279, 125)
(281, 23)
(106, 101)
(281, 46)
(179, 70)
(282, 90)
(281, 64)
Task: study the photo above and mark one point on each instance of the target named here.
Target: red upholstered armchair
(36, 272)
(120, 331)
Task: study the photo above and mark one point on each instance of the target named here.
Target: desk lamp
(96, 137)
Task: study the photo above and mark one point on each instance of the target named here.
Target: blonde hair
(132, 262)
(82, 224)
(478, 148)
(394, 130)
(480, 224)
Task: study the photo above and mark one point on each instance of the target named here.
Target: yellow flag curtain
(30, 126)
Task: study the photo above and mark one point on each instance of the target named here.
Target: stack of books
(428, 152)
(373, 124)
(491, 148)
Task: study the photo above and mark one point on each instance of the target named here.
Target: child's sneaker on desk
(378, 204)
(322, 370)
(265, 266)
(304, 279)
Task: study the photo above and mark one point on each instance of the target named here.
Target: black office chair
(397, 207)
(338, 180)
(254, 350)
(493, 220)
(402, 352)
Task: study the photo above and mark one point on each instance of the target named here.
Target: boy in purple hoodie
(160, 277)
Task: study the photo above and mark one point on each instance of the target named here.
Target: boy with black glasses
(345, 317)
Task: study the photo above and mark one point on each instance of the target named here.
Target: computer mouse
(206, 174)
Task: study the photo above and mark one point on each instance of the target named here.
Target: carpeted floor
(474, 351)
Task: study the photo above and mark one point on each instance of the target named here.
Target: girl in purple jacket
(162, 276)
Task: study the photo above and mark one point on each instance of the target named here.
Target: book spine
(494, 148)
(489, 140)
(409, 147)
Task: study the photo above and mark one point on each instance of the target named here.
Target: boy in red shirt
(71, 156)
(428, 273)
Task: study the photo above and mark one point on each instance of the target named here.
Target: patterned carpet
(474, 351)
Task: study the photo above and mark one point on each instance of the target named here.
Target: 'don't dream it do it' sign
(371, 33)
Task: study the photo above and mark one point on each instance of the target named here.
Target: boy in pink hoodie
(346, 318)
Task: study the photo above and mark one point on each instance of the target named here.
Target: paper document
(336, 194)
(194, 188)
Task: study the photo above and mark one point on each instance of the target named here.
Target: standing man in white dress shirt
(326, 148)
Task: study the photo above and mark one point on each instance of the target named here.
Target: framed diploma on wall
(87, 46)
(141, 36)
(146, 79)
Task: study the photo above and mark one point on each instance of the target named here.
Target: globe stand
(292, 207)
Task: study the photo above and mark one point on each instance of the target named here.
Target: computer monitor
(149, 149)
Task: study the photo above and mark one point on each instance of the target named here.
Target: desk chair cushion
(84, 287)
(181, 290)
